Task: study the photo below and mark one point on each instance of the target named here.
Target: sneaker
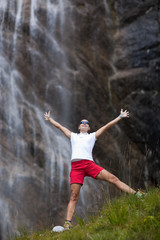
(67, 225)
(139, 193)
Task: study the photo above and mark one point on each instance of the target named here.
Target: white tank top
(82, 146)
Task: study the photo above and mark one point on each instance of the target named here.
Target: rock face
(80, 59)
(135, 82)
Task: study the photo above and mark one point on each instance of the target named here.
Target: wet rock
(84, 59)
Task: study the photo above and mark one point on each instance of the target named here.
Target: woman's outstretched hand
(47, 115)
(124, 114)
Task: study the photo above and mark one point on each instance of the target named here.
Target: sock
(67, 221)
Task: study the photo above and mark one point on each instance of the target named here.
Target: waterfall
(17, 106)
(35, 157)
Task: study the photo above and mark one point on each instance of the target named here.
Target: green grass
(126, 218)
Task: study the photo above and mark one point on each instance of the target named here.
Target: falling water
(16, 102)
(31, 149)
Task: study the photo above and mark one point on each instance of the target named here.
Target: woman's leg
(75, 190)
(108, 177)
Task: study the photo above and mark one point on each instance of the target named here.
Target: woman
(82, 161)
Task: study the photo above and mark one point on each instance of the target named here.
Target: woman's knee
(74, 196)
(107, 176)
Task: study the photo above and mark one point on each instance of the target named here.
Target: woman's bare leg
(75, 190)
(108, 177)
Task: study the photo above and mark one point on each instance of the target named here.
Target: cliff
(79, 59)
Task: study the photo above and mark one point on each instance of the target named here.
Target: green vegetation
(126, 218)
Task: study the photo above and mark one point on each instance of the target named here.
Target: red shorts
(83, 168)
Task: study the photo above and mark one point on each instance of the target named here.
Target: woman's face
(84, 126)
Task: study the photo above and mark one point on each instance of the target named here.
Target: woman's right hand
(47, 116)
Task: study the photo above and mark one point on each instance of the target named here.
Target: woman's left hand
(124, 114)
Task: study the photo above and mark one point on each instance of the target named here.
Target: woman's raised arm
(65, 130)
(123, 114)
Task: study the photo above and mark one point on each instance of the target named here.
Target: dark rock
(83, 59)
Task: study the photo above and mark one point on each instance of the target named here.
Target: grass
(126, 218)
